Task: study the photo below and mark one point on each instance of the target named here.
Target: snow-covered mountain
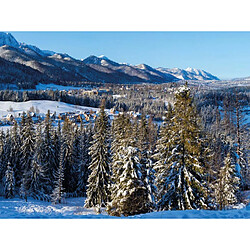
(33, 50)
(140, 73)
(163, 74)
(100, 60)
(189, 74)
(58, 67)
(8, 39)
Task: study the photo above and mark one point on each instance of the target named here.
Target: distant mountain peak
(103, 57)
(100, 60)
(143, 66)
(8, 39)
(189, 74)
(189, 69)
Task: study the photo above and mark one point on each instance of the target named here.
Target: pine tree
(100, 176)
(150, 184)
(48, 150)
(36, 176)
(27, 151)
(129, 193)
(152, 134)
(9, 189)
(183, 186)
(15, 154)
(75, 159)
(227, 185)
(56, 140)
(121, 134)
(162, 157)
(2, 156)
(68, 141)
(242, 139)
(84, 161)
(58, 193)
(146, 161)
(143, 137)
(7, 147)
(128, 185)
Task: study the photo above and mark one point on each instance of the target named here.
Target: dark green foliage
(58, 193)
(9, 180)
(183, 172)
(98, 191)
(226, 185)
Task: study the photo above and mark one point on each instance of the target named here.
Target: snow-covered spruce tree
(59, 191)
(121, 132)
(226, 185)
(9, 188)
(84, 161)
(162, 158)
(36, 175)
(69, 131)
(146, 161)
(27, 152)
(2, 156)
(241, 146)
(48, 150)
(76, 159)
(15, 153)
(143, 143)
(100, 176)
(150, 184)
(56, 140)
(152, 134)
(130, 194)
(119, 129)
(185, 186)
(7, 147)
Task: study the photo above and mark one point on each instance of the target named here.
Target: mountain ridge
(58, 67)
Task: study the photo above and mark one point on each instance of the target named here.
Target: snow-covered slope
(74, 208)
(189, 74)
(100, 60)
(159, 73)
(31, 50)
(42, 105)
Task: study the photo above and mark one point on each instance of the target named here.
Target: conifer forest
(190, 152)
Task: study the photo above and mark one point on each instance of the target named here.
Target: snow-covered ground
(71, 208)
(53, 86)
(74, 208)
(42, 105)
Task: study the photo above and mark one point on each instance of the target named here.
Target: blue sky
(224, 54)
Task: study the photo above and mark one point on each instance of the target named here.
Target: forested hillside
(193, 160)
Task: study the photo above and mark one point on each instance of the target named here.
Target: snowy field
(53, 86)
(42, 105)
(73, 208)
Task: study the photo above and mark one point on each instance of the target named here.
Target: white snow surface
(74, 208)
(52, 86)
(103, 57)
(43, 106)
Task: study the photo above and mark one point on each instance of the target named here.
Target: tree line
(127, 166)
